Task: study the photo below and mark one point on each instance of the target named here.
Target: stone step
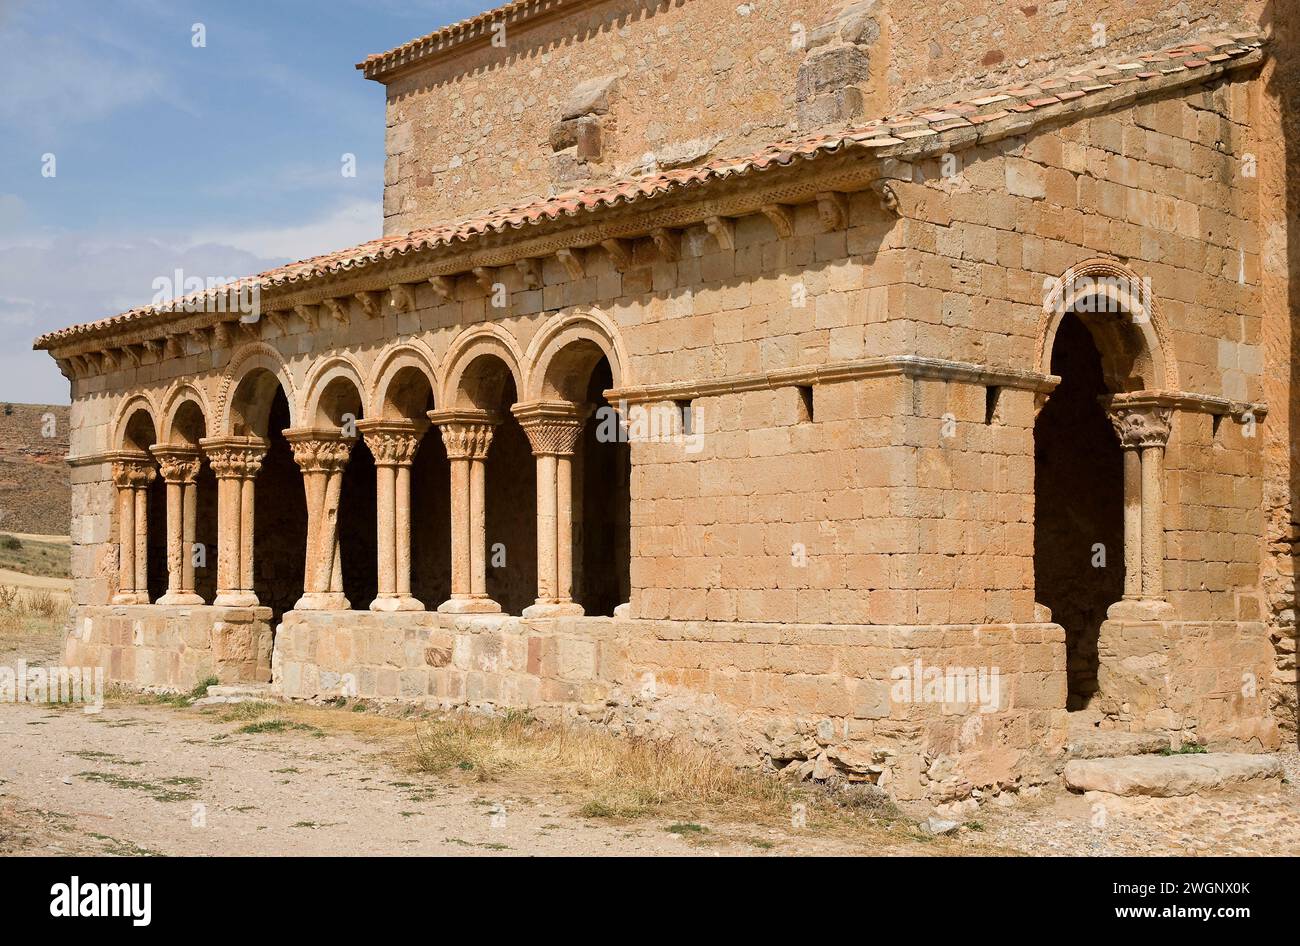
(1168, 776)
(237, 693)
(1114, 743)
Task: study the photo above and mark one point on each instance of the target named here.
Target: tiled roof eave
(903, 138)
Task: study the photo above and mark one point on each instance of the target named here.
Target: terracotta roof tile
(881, 133)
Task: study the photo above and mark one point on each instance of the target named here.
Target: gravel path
(146, 779)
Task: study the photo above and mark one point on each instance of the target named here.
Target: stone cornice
(912, 366)
(1190, 403)
(457, 38)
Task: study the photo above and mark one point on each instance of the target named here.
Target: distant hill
(35, 490)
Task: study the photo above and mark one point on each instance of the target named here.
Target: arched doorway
(142, 511)
(280, 530)
(420, 486)
(259, 415)
(1079, 504)
(603, 523)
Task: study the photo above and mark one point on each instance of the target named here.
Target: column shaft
(126, 541)
(1153, 530)
(1132, 523)
(189, 534)
(142, 543)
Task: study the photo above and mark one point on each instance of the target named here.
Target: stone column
(393, 444)
(132, 474)
(1143, 432)
(180, 469)
(322, 453)
(235, 462)
(467, 435)
(553, 429)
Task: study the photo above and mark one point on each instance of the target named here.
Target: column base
(469, 606)
(130, 597)
(235, 599)
(180, 598)
(396, 603)
(323, 601)
(554, 609)
(1140, 609)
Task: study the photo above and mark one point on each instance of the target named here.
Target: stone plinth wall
(1209, 679)
(172, 647)
(824, 699)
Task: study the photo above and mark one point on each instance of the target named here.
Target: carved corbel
(132, 355)
(486, 278)
(668, 243)
(833, 209)
(723, 230)
(530, 271)
(277, 319)
(572, 262)
(888, 196)
(338, 309)
(620, 253)
(402, 297)
(110, 359)
(444, 286)
(782, 219)
(369, 303)
(309, 314)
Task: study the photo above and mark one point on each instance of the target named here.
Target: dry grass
(33, 557)
(626, 776)
(32, 621)
(604, 774)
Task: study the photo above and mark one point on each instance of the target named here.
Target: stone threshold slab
(1161, 776)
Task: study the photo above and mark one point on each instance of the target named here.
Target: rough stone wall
(172, 648)
(822, 699)
(960, 276)
(1203, 682)
(1278, 132)
(593, 93)
(482, 128)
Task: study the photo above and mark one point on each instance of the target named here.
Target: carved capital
(392, 443)
(234, 457)
(178, 464)
(133, 470)
(467, 434)
(553, 427)
(1141, 426)
(319, 449)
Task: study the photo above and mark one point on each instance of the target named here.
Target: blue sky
(222, 160)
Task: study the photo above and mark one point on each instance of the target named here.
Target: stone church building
(862, 388)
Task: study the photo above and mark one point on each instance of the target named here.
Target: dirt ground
(139, 779)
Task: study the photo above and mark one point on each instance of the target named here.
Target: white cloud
(69, 279)
(347, 225)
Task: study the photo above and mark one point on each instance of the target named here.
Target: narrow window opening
(1217, 421)
(991, 394)
(805, 403)
(688, 417)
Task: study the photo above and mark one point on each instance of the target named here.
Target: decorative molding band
(1192, 403)
(912, 366)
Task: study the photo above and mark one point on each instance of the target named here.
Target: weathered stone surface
(1110, 743)
(1165, 776)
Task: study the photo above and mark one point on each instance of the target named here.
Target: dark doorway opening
(602, 526)
(279, 519)
(1079, 505)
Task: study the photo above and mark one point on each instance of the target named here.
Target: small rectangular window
(688, 417)
(991, 394)
(805, 403)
